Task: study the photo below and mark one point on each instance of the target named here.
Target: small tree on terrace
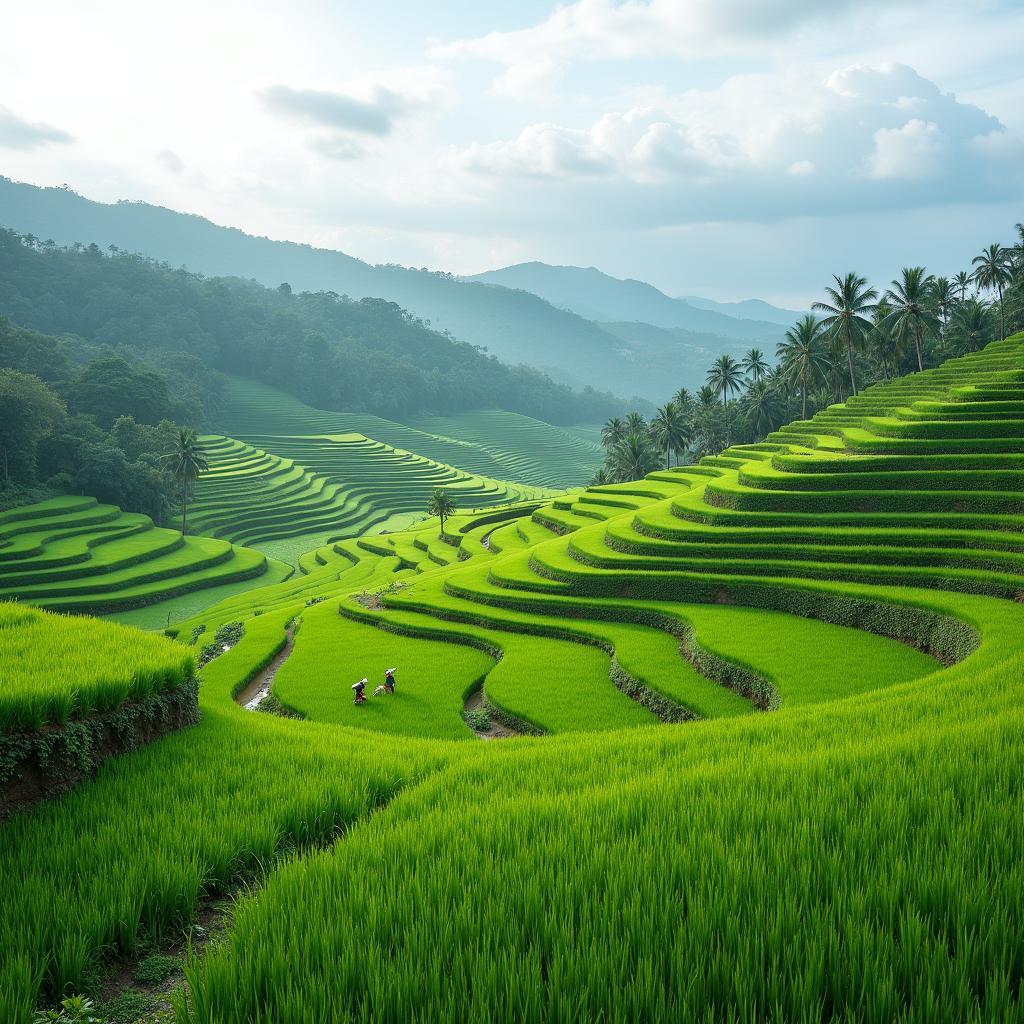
(184, 462)
(440, 505)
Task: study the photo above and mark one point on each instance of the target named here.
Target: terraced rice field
(338, 485)
(781, 694)
(495, 444)
(74, 554)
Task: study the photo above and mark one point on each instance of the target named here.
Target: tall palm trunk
(1002, 328)
(849, 362)
(803, 393)
(184, 506)
(917, 345)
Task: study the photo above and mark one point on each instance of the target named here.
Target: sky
(724, 148)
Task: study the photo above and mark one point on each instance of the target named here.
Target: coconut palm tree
(706, 398)
(635, 423)
(761, 407)
(992, 272)
(613, 432)
(802, 356)
(885, 349)
(942, 296)
(754, 364)
(846, 315)
(633, 457)
(440, 505)
(970, 327)
(726, 377)
(669, 431)
(909, 299)
(183, 463)
(962, 282)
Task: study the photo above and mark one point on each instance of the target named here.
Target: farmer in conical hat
(389, 680)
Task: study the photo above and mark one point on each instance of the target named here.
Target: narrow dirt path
(254, 691)
(497, 731)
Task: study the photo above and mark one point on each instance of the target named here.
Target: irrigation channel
(253, 692)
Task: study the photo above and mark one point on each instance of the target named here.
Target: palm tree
(802, 357)
(669, 431)
(942, 296)
(992, 271)
(184, 462)
(911, 313)
(881, 344)
(441, 505)
(845, 321)
(613, 432)
(725, 376)
(761, 406)
(962, 282)
(970, 327)
(754, 364)
(635, 424)
(706, 398)
(633, 457)
(684, 402)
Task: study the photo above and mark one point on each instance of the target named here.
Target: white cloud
(768, 146)
(18, 133)
(915, 151)
(610, 29)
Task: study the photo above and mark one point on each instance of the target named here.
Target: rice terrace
(394, 644)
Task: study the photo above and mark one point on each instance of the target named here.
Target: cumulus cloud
(772, 146)
(17, 133)
(612, 29)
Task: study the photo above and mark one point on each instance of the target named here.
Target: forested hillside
(514, 326)
(333, 352)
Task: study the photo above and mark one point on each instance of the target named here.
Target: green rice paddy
(779, 778)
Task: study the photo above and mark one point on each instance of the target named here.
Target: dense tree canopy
(330, 351)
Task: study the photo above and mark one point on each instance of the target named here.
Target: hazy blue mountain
(599, 296)
(657, 354)
(514, 326)
(747, 309)
(514, 323)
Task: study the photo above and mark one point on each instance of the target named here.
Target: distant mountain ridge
(590, 292)
(516, 324)
(747, 309)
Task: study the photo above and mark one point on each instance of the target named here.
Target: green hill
(771, 770)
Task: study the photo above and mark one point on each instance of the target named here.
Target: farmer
(359, 688)
(389, 680)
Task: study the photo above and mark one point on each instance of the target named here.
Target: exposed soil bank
(41, 765)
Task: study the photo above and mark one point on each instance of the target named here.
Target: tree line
(857, 335)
